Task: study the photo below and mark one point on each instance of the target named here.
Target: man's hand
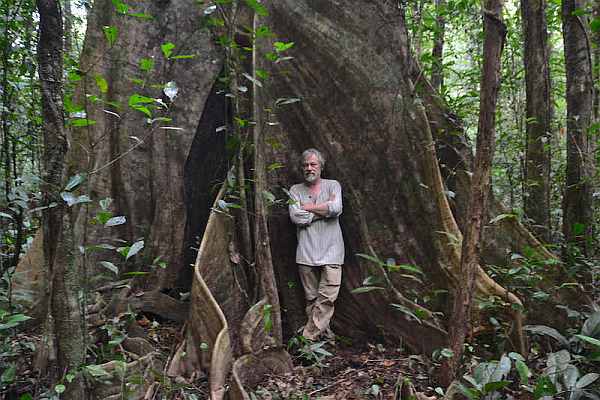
(321, 209)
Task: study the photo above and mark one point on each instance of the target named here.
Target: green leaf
(471, 394)
(96, 371)
(501, 217)
(60, 388)
(71, 199)
(366, 289)
(110, 266)
(595, 25)
(586, 380)
(493, 386)
(578, 229)
(544, 387)
(407, 312)
(286, 100)
(183, 57)
(135, 248)
(406, 267)
(136, 273)
(262, 31)
(121, 7)
(73, 76)
(105, 203)
(266, 312)
(271, 56)
(146, 64)
(167, 49)
(26, 396)
(74, 181)
(257, 7)
(110, 33)
(103, 216)
(137, 102)
(141, 16)
(262, 74)
(251, 79)
(101, 83)
(114, 221)
(137, 99)
(9, 374)
(13, 321)
(523, 371)
(282, 46)
(274, 166)
(371, 258)
(81, 122)
(547, 331)
(590, 340)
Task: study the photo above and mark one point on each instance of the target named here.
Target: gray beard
(310, 178)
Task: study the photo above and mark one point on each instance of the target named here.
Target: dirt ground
(366, 372)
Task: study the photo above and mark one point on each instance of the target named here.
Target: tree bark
(494, 35)
(577, 201)
(539, 113)
(62, 272)
(263, 254)
(596, 61)
(437, 54)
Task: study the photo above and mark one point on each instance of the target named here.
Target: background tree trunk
(63, 274)
(437, 54)
(495, 33)
(577, 200)
(538, 117)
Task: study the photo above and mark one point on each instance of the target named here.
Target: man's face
(311, 168)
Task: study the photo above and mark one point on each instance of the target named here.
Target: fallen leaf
(388, 363)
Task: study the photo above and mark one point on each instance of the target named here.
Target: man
(315, 209)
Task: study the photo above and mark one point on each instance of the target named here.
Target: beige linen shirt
(320, 239)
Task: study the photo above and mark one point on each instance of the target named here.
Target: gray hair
(306, 153)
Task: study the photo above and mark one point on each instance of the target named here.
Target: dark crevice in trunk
(205, 169)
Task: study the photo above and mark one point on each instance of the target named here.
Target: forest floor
(325, 371)
(365, 371)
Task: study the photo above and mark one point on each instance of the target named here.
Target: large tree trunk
(163, 180)
(65, 319)
(578, 200)
(538, 117)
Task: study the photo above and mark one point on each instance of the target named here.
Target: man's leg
(329, 287)
(309, 276)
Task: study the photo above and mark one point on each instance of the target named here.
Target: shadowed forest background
(147, 147)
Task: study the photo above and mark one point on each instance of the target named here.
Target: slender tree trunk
(68, 18)
(437, 54)
(262, 254)
(577, 201)
(62, 273)
(495, 33)
(538, 117)
(596, 65)
(417, 28)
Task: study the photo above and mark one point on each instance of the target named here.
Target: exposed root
(450, 242)
(118, 374)
(207, 329)
(252, 333)
(251, 369)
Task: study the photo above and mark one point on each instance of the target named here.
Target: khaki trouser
(321, 287)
